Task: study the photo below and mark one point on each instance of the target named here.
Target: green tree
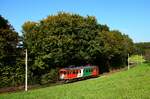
(144, 49)
(11, 70)
(8, 42)
(70, 39)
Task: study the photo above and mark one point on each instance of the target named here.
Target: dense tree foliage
(8, 42)
(70, 39)
(59, 41)
(144, 49)
(11, 71)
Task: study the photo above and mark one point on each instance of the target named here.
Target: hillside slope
(130, 84)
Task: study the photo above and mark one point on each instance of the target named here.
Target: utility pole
(141, 58)
(128, 62)
(26, 73)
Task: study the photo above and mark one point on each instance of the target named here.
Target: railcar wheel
(67, 81)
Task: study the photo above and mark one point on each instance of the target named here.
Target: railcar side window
(86, 70)
(64, 73)
(74, 72)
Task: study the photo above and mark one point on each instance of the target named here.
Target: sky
(131, 17)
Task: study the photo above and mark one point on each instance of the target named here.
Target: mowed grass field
(128, 84)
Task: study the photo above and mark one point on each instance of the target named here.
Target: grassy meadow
(128, 84)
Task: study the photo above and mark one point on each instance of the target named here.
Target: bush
(50, 77)
(136, 59)
(12, 75)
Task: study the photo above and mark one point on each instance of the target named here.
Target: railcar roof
(79, 67)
